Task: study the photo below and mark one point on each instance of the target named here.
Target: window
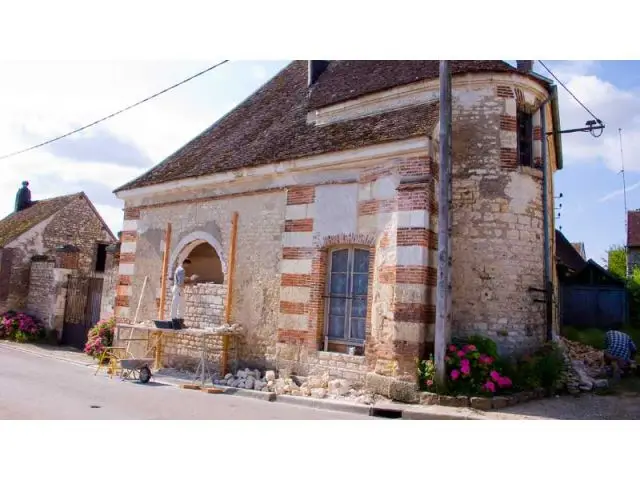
(347, 291)
(525, 139)
(101, 258)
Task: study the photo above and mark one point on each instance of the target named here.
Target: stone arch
(359, 239)
(189, 243)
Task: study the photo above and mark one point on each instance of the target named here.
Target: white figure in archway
(177, 300)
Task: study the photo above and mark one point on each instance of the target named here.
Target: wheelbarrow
(136, 369)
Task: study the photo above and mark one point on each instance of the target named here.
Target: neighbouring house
(332, 167)
(590, 296)
(54, 247)
(633, 239)
(579, 246)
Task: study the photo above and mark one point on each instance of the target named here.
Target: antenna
(624, 192)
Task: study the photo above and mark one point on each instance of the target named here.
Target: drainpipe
(548, 283)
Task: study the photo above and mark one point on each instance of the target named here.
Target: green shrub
(100, 337)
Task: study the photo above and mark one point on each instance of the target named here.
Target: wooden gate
(82, 309)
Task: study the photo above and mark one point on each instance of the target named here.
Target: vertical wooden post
(163, 278)
(163, 294)
(443, 289)
(229, 300)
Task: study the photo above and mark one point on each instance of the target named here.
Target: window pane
(338, 284)
(339, 260)
(337, 306)
(360, 283)
(361, 264)
(336, 326)
(359, 307)
(357, 328)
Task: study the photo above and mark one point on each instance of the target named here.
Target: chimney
(316, 67)
(525, 66)
(23, 197)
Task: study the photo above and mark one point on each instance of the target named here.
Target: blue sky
(103, 158)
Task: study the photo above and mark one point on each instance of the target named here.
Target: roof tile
(17, 223)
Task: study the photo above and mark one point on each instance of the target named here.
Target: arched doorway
(203, 250)
(205, 263)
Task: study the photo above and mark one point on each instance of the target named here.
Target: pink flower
(504, 382)
(490, 386)
(452, 348)
(485, 359)
(461, 353)
(429, 383)
(455, 374)
(470, 348)
(495, 376)
(465, 369)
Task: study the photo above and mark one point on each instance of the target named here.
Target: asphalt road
(37, 388)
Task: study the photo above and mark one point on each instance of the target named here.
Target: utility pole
(443, 288)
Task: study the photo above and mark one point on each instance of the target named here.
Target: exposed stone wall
(203, 304)
(41, 301)
(497, 221)
(77, 224)
(258, 250)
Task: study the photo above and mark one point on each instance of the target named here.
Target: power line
(115, 113)
(569, 91)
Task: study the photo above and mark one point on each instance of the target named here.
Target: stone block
(481, 403)
(459, 401)
(402, 391)
(499, 402)
(429, 398)
(378, 384)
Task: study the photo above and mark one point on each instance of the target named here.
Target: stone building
(332, 167)
(39, 242)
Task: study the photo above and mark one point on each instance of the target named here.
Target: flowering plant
(20, 327)
(469, 372)
(100, 337)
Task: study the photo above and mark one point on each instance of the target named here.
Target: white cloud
(42, 100)
(616, 107)
(259, 72)
(618, 193)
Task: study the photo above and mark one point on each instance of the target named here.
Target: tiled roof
(271, 125)
(633, 228)
(567, 255)
(17, 223)
(348, 79)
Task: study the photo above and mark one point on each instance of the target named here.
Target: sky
(41, 100)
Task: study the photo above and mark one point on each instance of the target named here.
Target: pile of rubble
(583, 367)
(312, 386)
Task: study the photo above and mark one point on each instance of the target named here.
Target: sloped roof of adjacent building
(567, 255)
(17, 223)
(271, 125)
(579, 247)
